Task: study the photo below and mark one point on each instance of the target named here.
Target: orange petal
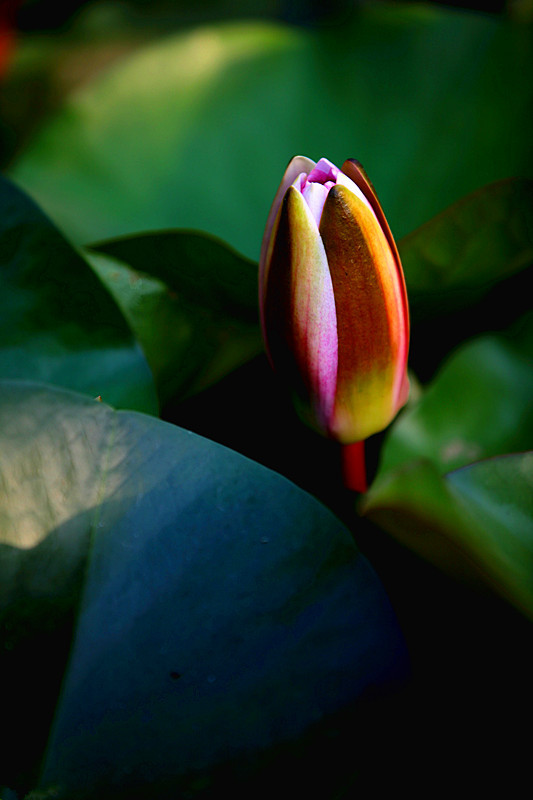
(354, 170)
(371, 316)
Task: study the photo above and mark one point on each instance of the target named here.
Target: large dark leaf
(191, 301)
(218, 610)
(476, 522)
(196, 131)
(57, 322)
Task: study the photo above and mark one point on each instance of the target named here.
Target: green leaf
(191, 301)
(219, 611)
(459, 255)
(476, 522)
(196, 130)
(466, 270)
(57, 322)
(478, 405)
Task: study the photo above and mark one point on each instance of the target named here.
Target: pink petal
(300, 321)
(323, 171)
(315, 196)
(296, 165)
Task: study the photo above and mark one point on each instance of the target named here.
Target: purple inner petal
(323, 172)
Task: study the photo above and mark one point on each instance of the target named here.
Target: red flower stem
(353, 466)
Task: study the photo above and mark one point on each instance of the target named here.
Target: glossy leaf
(219, 611)
(57, 322)
(478, 405)
(191, 301)
(476, 522)
(192, 131)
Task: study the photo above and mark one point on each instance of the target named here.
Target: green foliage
(455, 259)
(477, 406)
(57, 322)
(217, 610)
(195, 130)
(476, 522)
(190, 300)
(467, 272)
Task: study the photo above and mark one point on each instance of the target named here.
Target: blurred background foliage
(109, 109)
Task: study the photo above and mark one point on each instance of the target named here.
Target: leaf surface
(475, 522)
(478, 405)
(191, 301)
(218, 610)
(58, 324)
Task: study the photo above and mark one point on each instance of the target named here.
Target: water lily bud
(333, 302)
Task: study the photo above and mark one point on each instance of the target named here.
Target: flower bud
(332, 298)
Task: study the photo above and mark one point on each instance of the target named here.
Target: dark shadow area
(460, 720)
(436, 330)
(41, 593)
(250, 412)
(40, 15)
